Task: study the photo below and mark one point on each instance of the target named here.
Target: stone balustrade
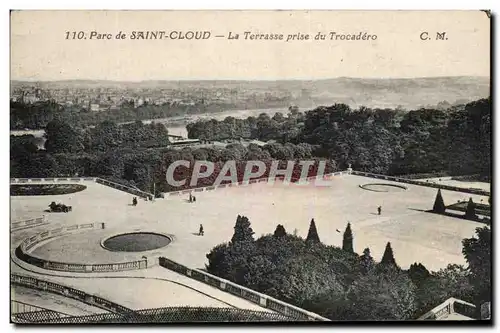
(22, 252)
(29, 223)
(56, 288)
(240, 291)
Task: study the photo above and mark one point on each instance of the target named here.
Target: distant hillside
(387, 92)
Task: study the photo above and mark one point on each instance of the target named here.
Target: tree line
(139, 155)
(38, 115)
(453, 141)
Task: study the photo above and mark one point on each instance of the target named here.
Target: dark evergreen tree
(347, 242)
(366, 261)
(418, 273)
(280, 231)
(312, 235)
(470, 211)
(242, 230)
(477, 252)
(388, 257)
(439, 206)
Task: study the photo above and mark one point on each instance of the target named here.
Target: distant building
(94, 107)
(185, 143)
(30, 98)
(138, 102)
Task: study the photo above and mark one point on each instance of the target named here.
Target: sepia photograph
(250, 166)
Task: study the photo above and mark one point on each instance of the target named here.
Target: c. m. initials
(441, 36)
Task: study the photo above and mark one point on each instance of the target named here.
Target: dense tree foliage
(366, 261)
(138, 155)
(437, 287)
(418, 273)
(38, 115)
(340, 284)
(456, 140)
(453, 141)
(63, 138)
(477, 252)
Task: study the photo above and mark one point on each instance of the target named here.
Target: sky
(40, 50)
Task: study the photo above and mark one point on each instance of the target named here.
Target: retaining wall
(143, 194)
(247, 183)
(124, 188)
(240, 291)
(34, 283)
(22, 252)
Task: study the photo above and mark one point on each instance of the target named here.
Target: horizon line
(253, 80)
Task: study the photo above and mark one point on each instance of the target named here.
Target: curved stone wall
(29, 223)
(22, 252)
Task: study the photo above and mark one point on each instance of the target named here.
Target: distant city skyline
(41, 52)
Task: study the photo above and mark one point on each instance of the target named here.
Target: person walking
(201, 232)
(379, 209)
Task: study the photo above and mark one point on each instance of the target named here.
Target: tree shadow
(461, 216)
(418, 210)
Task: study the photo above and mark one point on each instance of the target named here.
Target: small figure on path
(201, 232)
(379, 209)
(190, 198)
(194, 198)
(134, 201)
